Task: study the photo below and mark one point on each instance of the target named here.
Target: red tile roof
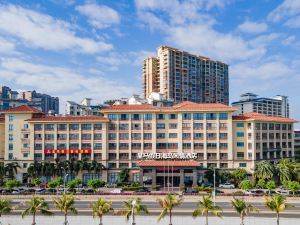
(162, 163)
(252, 116)
(23, 109)
(68, 118)
(183, 106)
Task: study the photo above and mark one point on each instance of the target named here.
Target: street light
(133, 203)
(214, 186)
(65, 178)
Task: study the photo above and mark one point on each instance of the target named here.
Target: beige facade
(209, 130)
(2, 137)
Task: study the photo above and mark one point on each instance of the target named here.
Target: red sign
(65, 151)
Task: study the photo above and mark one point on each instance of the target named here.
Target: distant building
(83, 109)
(155, 99)
(183, 76)
(275, 106)
(297, 139)
(44, 102)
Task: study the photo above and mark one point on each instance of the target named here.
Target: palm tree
(100, 208)
(243, 208)
(35, 205)
(264, 170)
(34, 170)
(277, 203)
(5, 206)
(11, 169)
(168, 204)
(65, 204)
(48, 169)
(287, 170)
(133, 207)
(205, 206)
(96, 167)
(2, 170)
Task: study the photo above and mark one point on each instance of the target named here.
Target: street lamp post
(132, 212)
(65, 178)
(214, 186)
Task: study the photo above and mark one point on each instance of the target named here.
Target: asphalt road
(185, 209)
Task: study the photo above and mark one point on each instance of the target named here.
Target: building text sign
(182, 156)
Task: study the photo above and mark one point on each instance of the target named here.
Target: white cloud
(42, 31)
(99, 16)
(6, 47)
(289, 40)
(253, 27)
(60, 81)
(285, 9)
(293, 22)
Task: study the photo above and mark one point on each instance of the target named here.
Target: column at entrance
(181, 177)
(154, 176)
(194, 176)
(141, 177)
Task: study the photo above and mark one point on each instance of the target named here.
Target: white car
(227, 186)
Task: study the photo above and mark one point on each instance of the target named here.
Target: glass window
(198, 116)
(172, 116)
(240, 134)
(136, 117)
(186, 116)
(124, 117)
(243, 164)
(240, 144)
(223, 116)
(136, 136)
(26, 126)
(239, 124)
(98, 126)
(172, 126)
(240, 154)
(10, 127)
(211, 116)
(49, 126)
(112, 136)
(74, 126)
(160, 116)
(148, 116)
(11, 117)
(112, 116)
(97, 136)
(124, 126)
(198, 135)
(160, 135)
(160, 126)
(10, 146)
(172, 135)
(25, 145)
(97, 146)
(38, 126)
(86, 126)
(123, 136)
(10, 137)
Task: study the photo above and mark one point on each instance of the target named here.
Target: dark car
(191, 191)
(144, 190)
(208, 184)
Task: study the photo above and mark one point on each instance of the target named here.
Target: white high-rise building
(274, 106)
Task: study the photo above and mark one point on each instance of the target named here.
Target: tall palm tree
(277, 203)
(5, 206)
(207, 206)
(11, 169)
(100, 208)
(243, 208)
(86, 165)
(96, 167)
(66, 205)
(168, 204)
(48, 169)
(78, 166)
(287, 170)
(264, 170)
(133, 207)
(2, 170)
(35, 205)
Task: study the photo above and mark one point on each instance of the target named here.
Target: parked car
(117, 191)
(191, 191)
(40, 190)
(227, 186)
(207, 184)
(110, 185)
(143, 190)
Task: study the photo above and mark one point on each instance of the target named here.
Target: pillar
(181, 177)
(154, 177)
(195, 176)
(141, 177)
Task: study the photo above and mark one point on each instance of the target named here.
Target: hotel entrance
(169, 174)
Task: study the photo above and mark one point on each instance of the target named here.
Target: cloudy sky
(75, 49)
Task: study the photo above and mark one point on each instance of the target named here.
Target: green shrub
(270, 185)
(12, 184)
(246, 185)
(261, 184)
(132, 188)
(96, 183)
(37, 182)
(293, 186)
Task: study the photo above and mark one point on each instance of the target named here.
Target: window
(186, 116)
(223, 116)
(97, 146)
(98, 126)
(147, 136)
(25, 154)
(86, 136)
(10, 156)
(147, 126)
(198, 126)
(124, 126)
(239, 124)
(172, 116)
(74, 126)
(112, 116)
(240, 134)
(186, 136)
(198, 135)
(223, 145)
(160, 135)
(10, 137)
(112, 146)
(160, 126)
(124, 117)
(136, 126)
(186, 145)
(11, 118)
(10, 146)
(243, 165)
(240, 154)
(198, 116)
(160, 116)
(136, 136)
(136, 117)
(211, 116)
(25, 126)
(25, 145)
(10, 127)
(240, 144)
(123, 136)
(148, 116)
(172, 126)
(223, 135)
(112, 136)
(97, 136)
(86, 126)
(38, 126)
(49, 126)
(172, 135)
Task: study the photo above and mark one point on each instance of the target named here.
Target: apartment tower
(182, 76)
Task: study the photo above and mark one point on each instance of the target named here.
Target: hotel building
(151, 141)
(275, 106)
(182, 76)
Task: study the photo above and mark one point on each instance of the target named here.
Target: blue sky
(75, 49)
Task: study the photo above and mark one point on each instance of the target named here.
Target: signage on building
(77, 151)
(182, 156)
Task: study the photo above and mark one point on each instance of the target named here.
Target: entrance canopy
(171, 163)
